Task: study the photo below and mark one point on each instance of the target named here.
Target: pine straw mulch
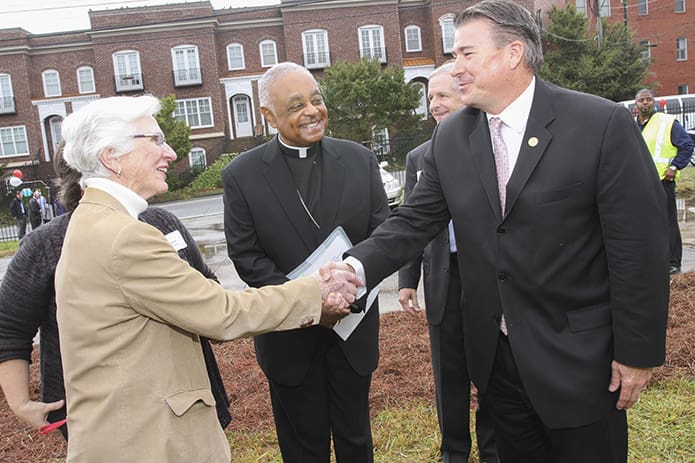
(404, 372)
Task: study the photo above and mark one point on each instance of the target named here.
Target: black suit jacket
(578, 263)
(268, 234)
(16, 210)
(435, 259)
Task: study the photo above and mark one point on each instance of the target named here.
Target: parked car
(393, 188)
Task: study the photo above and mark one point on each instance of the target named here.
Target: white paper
(332, 249)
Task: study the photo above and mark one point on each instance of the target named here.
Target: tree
(614, 69)
(177, 134)
(364, 97)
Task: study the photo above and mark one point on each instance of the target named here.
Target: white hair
(271, 75)
(103, 124)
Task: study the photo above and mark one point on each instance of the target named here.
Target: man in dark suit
(443, 302)
(19, 213)
(558, 215)
(282, 199)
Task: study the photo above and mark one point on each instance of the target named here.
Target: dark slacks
(674, 232)
(521, 436)
(333, 400)
(452, 382)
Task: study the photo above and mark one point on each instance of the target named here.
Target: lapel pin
(533, 142)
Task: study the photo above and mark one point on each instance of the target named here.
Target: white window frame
(128, 73)
(581, 6)
(264, 63)
(682, 49)
(48, 89)
(7, 103)
(9, 135)
(679, 4)
(642, 7)
(315, 42)
(446, 23)
(605, 8)
(240, 47)
(81, 85)
(418, 35)
(190, 73)
(683, 89)
(372, 43)
(646, 49)
(197, 151)
(189, 110)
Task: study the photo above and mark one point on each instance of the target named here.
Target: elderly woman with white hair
(131, 312)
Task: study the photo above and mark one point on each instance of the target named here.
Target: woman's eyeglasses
(157, 138)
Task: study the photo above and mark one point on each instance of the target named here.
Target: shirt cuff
(359, 271)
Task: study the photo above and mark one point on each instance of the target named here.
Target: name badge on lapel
(176, 240)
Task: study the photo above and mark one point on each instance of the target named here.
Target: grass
(662, 429)
(8, 248)
(685, 186)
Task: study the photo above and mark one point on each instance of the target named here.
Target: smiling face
(144, 168)
(489, 78)
(443, 95)
(297, 112)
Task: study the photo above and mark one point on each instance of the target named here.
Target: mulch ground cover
(404, 373)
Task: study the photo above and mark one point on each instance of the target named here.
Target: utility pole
(625, 12)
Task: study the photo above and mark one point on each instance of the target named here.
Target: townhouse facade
(211, 60)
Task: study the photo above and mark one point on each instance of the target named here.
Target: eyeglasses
(157, 138)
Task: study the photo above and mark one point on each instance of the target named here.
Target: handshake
(339, 285)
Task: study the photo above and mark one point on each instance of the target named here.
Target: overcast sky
(43, 16)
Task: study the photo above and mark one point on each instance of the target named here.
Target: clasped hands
(339, 285)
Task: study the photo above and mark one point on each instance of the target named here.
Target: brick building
(210, 59)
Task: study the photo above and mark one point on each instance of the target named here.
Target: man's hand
(35, 413)
(669, 174)
(631, 381)
(408, 299)
(338, 287)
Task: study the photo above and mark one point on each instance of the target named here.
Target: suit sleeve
(252, 263)
(630, 202)
(409, 274)
(158, 284)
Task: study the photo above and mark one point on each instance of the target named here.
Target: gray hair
(271, 75)
(512, 22)
(445, 68)
(103, 124)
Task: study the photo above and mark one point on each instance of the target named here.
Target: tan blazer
(130, 313)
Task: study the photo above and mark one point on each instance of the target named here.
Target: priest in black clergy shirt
(281, 200)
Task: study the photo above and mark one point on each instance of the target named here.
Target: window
(241, 109)
(127, 72)
(682, 89)
(681, 49)
(642, 7)
(51, 83)
(85, 80)
(196, 112)
(6, 95)
(315, 43)
(56, 124)
(413, 41)
(422, 105)
(605, 8)
(235, 56)
(197, 159)
(13, 141)
(581, 6)
(372, 43)
(186, 65)
(269, 53)
(680, 6)
(646, 47)
(447, 25)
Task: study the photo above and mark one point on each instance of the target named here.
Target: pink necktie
(501, 159)
(502, 166)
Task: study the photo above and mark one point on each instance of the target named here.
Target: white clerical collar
(133, 203)
(516, 114)
(303, 151)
